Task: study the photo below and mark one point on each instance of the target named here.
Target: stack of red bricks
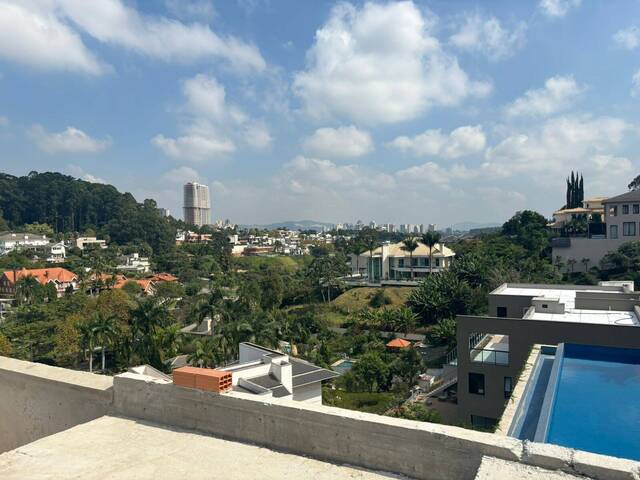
(203, 379)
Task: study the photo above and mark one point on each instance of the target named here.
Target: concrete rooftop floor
(120, 448)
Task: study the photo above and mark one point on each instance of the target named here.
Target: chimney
(281, 369)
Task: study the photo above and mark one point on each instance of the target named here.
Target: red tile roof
(43, 275)
(398, 343)
(163, 277)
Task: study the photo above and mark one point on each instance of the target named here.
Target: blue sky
(403, 112)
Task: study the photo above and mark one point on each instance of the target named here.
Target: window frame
(612, 229)
(636, 208)
(629, 229)
(477, 380)
(625, 209)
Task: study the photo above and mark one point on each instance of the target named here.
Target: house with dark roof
(621, 224)
(263, 371)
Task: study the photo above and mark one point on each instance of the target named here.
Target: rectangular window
(625, 209)
(501, 312)
(476, 383)
(414, 262)
(401, 262)
(437, 262)
(636, 208)
(629, 229)
(508, 387)
(613, 211)
(613, 231)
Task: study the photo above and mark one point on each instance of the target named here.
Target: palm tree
(103, 331)
(585, 261)
(86, 339)
(26, 288)
(205, 354)
(430, 239)
(410, 245)
(571, 262)
(370, 242)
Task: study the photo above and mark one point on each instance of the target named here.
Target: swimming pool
(592, 401)
(343, 366)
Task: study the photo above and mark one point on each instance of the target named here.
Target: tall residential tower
(197, 207)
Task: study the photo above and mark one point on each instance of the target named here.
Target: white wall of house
(309, 393)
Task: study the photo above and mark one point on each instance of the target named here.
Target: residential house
(619, 224)
(263, 371)
(492, 350)
(135, 263)
(163, 277)
(57, 252)
(10, 241)
(390, 264)
(91, 242)
(61, 278)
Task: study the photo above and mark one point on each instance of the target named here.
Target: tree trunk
(90, 359)
(103, 359)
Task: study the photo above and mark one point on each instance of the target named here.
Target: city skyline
(392, 111)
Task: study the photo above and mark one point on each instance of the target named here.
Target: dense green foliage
(67, 204)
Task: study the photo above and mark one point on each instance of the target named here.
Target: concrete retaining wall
(39, 400)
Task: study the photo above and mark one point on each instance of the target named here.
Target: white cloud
(80, 173)
(489, 37)
(4, 121)
(558, 145)
(558, 8)
(380, 64)
(628, 38)
(45, 34)
(113, 22)
(214, 126)
(305, 175)
(181, 175)
(193, 147)
(558, 94)
(339, 142)
(635, 84)
(37, 38)
(460, 142)
(71, 140)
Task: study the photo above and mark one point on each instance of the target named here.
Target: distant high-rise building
(197, 207)
(164, 212)
(432, 227)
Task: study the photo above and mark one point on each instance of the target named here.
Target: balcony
(491, 349)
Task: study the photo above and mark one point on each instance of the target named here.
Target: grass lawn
(362, 401)
(333, 316)
(358, 298)
(290, 264)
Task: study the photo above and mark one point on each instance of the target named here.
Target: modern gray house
(493, 349)
(620, 224)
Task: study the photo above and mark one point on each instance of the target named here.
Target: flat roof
(567, 296)
(599, 317)
(126, 448)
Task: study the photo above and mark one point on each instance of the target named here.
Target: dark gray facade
(495, 375)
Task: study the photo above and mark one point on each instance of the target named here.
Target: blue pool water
(344, 366)
(597, 401)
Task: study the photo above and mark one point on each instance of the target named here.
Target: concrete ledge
(593, 465)
(416, 449)
(39, 400)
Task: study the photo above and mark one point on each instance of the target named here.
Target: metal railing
(489, 356)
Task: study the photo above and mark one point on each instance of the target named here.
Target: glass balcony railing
(490, 356)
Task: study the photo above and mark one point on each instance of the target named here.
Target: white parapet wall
(38, 400)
